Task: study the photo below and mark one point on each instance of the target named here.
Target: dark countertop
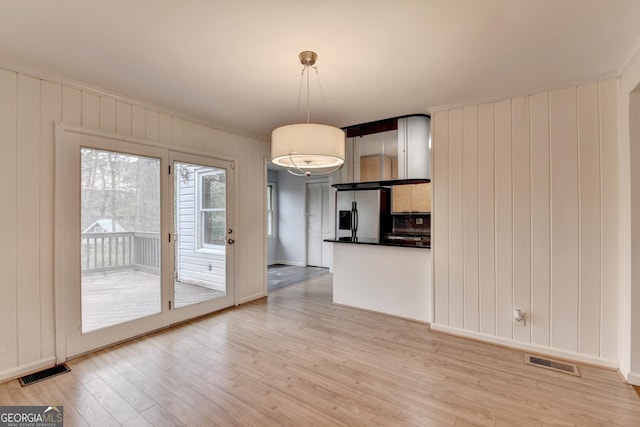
(371, 185)
(379, 242)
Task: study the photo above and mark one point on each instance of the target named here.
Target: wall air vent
(43, 375)
(554, 365)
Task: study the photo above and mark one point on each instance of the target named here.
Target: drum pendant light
(306, 149)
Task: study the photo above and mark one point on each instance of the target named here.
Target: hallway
(281, 275)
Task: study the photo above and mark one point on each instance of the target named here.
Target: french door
(202, 235)
(143, 238)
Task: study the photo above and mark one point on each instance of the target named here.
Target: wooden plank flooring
(296, 359)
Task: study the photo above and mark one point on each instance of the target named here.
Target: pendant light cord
(324, 101)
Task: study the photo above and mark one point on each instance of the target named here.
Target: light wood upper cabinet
(421, 197)
(372, 166)
(411, 198)
(401, 198)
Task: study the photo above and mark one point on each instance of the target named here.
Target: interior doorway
(318, 223)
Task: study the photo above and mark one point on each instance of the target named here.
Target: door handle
(231, 241)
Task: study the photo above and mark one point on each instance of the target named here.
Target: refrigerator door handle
(355, 216)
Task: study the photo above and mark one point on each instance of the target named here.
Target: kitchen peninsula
(381, 250)
(382, 241)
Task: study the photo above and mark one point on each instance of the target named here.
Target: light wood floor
(296, 359)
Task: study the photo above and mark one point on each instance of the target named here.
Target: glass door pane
(200, 212)
(120, 238)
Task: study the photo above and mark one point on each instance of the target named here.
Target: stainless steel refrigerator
(362, 214)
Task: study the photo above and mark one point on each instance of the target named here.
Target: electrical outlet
(518, 317)
(419, 221)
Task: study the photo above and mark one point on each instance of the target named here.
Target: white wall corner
(628, 375)
(630, 57)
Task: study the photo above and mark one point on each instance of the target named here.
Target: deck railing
(120, 251)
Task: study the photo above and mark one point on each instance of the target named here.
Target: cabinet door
(421, 197)
(369, 168)
(401, 198)
(386, 168)
(394, 168)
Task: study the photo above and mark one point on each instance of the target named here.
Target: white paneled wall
(526, 216)
(29, 106)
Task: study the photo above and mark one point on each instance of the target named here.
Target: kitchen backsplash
(415, 225)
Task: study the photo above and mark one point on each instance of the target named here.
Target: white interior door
(318, 223)
(116, 208)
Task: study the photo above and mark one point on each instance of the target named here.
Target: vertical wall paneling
(188, 134)
(564, 219)
(441, 216)
(526, 209)
(539, 317)
(456, 254)
(177, 128)
(71, 106)
(90, 110)
(608, 101)
(107, 114)
(8, 173)
(153, 125)
(123, 118)
(486, 219)
(164, 128)
(504, 219)
(470, 188)
(521, 168)
(200, 134)
(27, 221)
(590, 220)
(50, 112)
(138, 121)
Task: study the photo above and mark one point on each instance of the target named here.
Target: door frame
(323, 181)
(65, 218)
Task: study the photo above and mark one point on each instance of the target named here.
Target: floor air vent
(43, 375)
(554, 365)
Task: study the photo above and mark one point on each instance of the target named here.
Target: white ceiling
(233, 63)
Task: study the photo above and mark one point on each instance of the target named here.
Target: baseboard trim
(547, 351)
(424, 322)
(630, 377)
(293, 263)
(29, 368)
(250, 298)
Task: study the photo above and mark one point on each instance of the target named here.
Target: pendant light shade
(308, 146)
(306, 149)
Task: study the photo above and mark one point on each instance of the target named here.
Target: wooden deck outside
(109, 298)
